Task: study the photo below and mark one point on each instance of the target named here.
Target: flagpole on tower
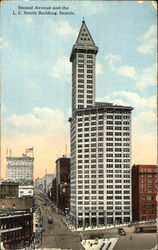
(30, 150)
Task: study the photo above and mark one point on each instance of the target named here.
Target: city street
(56, 235)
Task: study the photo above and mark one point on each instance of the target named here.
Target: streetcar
(145, 229)
(50, 220)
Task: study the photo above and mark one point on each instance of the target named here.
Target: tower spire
(84, 36)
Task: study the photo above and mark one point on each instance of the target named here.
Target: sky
(36, 73)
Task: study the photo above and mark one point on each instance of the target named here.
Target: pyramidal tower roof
(84, 36)
(84, 42)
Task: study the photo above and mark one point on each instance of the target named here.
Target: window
(89, 66)
(89, 81)
(149, 197)
(118, 116)
(109, 197)
(109, 133)
(81, 86)
(89, 86)
(110, 122)
(109, 127)
(109, 116)
(80, 81)
(81, 65)
(89, 76)
(81, 55)
(81, 61)
(80, 70)
(80, 76)
(89, 96)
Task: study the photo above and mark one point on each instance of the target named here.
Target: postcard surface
(65, 61)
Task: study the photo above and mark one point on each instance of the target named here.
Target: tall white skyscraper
(100, 146)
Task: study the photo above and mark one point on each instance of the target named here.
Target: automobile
(121, 231)
(50, 220)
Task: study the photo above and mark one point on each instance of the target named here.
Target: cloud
(149, 119)
(61, 69)
(147, 77)
(143, 79)
(39, 121)
(112, 60)
(128, 71)
(63, 28)
(130, 99)
(125, 70)
(93, 8)
(99, 69)
(46, 129)
(148, 41)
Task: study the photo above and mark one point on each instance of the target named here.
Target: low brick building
(144, 203)
(16, 228)
(8, 189)
(16, 203)
(16, 222)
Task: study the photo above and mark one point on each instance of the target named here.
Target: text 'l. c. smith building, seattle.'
(100, 146)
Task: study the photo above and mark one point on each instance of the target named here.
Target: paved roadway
(132, 241)
(56, 235)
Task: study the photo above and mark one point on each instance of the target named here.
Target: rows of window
(99, 213)
(83, 55)
(99, 186)
(107, 150)
(99, 121)
(107, 117)
(111, 160)
(86, 61)
(107, 166)
(80, 198)
(100, 154)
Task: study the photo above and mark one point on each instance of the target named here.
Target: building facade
(100, 146)
(8, 189)
(53, 191)
(144, 181)
(48, 182)
(26, 190)
(16, 219)
(40, 184)
(20, 168)
(63, 183)
(16, 228)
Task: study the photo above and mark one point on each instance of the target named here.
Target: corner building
(100, 146)
(20, 168)
(144, 181)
